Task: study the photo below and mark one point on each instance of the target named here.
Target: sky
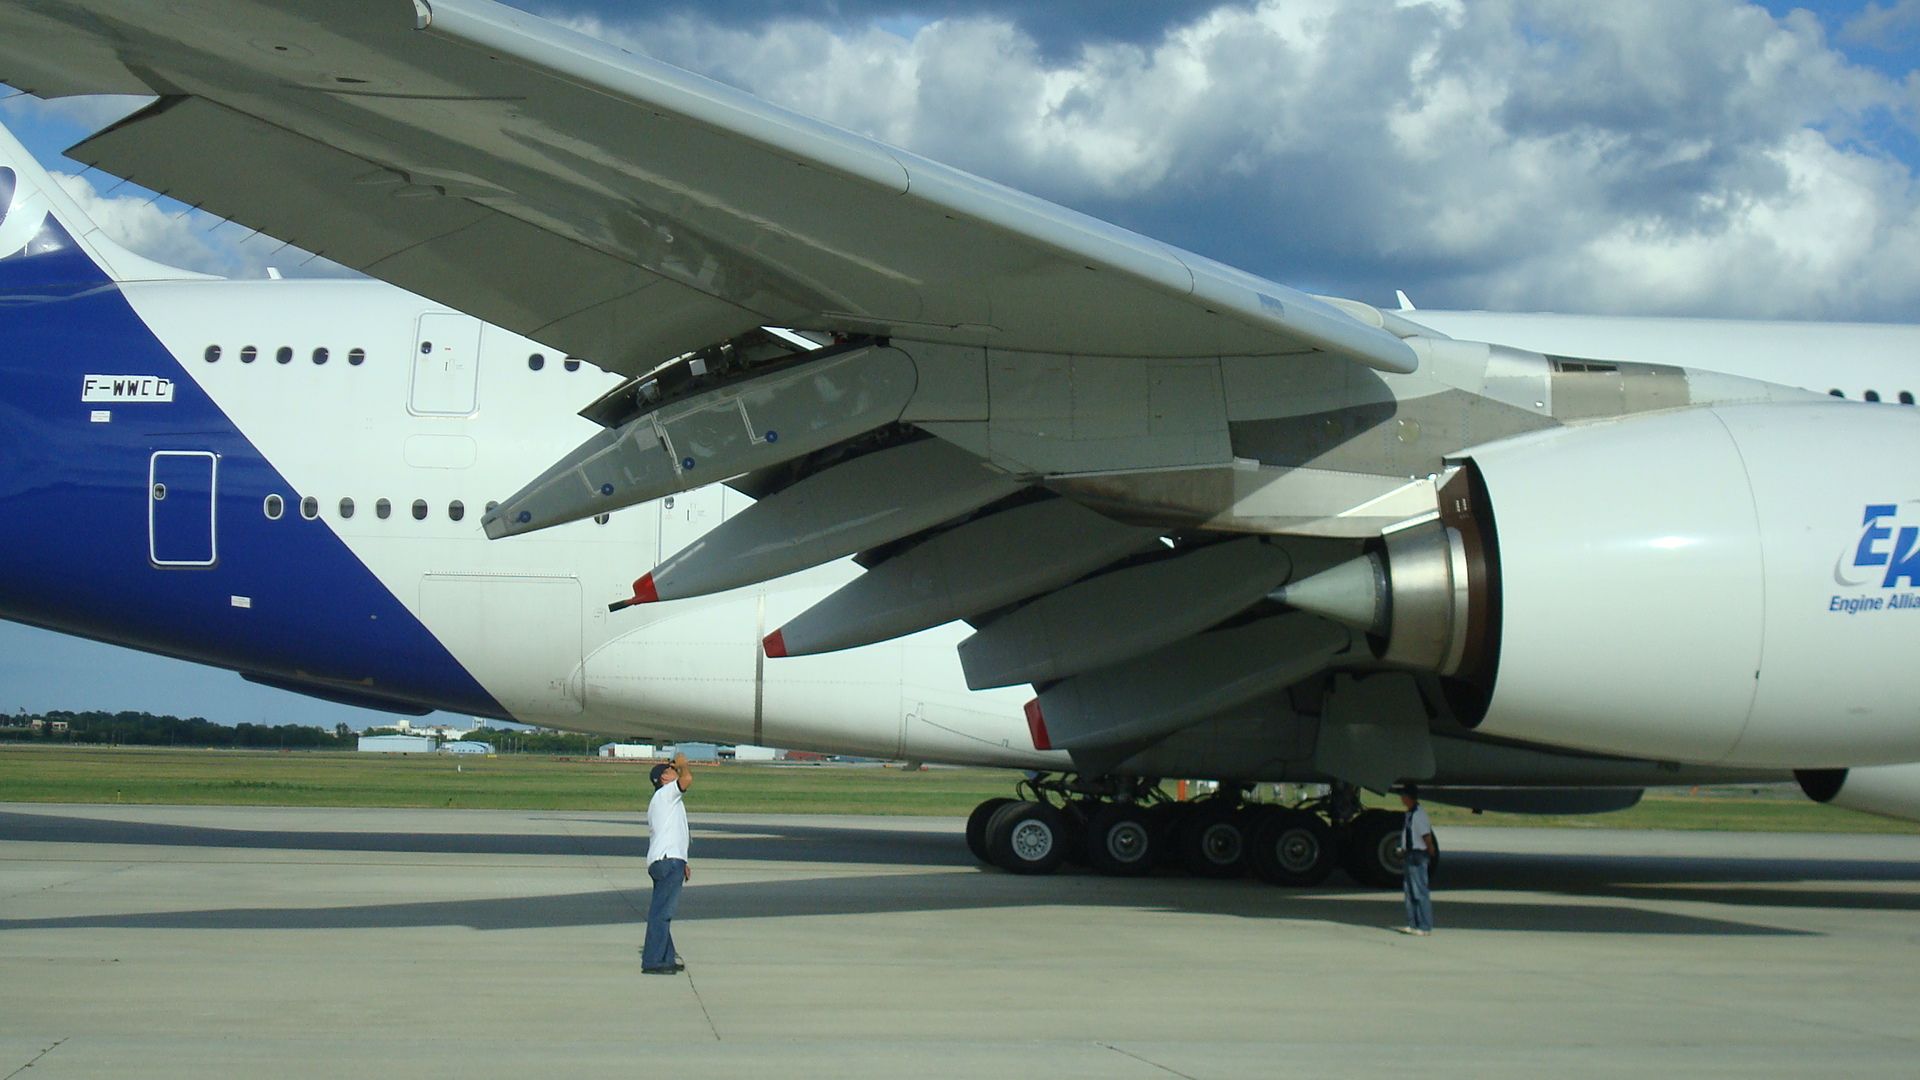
(1688, 157)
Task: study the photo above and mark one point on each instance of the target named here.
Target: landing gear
(1292, 847)
(1122, 840)
(977, 827)
(1128, 828)
(1213, 839)
(1373, 856)
(1027, 838)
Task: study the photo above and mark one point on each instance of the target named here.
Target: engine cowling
(1887, 790)
(1730, 584)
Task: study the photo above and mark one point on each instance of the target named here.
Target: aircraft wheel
(1213, 841)
(1372, 853)
(977, 827)
(1078, 817)
(1292, 847)
(1167, 820)
(1121, 840)
(1027, 838)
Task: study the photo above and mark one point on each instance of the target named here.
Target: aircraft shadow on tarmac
(1566, 893)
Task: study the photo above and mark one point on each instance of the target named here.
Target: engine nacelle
(1887, 790)
(1727, 584)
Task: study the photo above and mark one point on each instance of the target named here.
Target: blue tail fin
(45, 237)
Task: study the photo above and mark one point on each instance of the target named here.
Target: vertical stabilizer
(45, 234)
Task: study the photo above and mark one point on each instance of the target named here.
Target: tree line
(147, 729)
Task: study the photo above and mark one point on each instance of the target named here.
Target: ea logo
(1883, 543)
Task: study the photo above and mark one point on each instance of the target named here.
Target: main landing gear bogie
(1130, 829)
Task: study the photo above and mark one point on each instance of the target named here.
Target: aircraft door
(687, 516)
(446, 366)
(181, 486)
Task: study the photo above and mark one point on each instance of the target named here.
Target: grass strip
(87, 774)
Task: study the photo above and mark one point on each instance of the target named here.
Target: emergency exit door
(446, 366)
(181, 489)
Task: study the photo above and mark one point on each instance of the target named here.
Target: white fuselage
(527, 616)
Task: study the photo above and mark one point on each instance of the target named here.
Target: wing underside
(610, 204)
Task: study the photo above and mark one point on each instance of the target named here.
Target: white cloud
(91, 113)
(189, 239)
(1703, 157)
(1876, 27)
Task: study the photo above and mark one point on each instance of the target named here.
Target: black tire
(1166, 820)
(1213, 840)
(977, 827)
(1027, 838)
(1371, 849)
(1122, 840)
(1292, 847)
(1078, 815)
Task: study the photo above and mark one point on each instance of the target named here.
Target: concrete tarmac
(236, 941)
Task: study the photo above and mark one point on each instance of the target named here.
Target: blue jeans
(668, 875)
(1419, 898)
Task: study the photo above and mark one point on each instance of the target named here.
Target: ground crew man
(666, 863)
(1416, 841)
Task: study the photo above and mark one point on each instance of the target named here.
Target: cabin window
(383, 509)
(249, 354)
(283, 355)
(492, 506)
(456, 510)
(346, 508)
(320, 356)
(571, 364)
(213, 353)
(159, 493)
(536, 362)
(356, 357)
(419, 509)
(1873, 395)
(309, 508)
(1906, 397)
(1835, 393)
(274, 507)
(602, 519)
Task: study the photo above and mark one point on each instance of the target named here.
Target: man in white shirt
(1416, 841)
(666, 863)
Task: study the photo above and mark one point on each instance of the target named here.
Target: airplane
(661, 410)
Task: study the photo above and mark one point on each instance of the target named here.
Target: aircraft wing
(610, 204)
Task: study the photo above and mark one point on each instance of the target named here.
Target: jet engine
(1887, 790)
(1729, 584)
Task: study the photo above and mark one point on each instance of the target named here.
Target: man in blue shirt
(1416, 841)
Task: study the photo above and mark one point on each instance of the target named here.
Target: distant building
(627, 750)
(396, 744)
(697, 751)
(467, 746)
(750, 753)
